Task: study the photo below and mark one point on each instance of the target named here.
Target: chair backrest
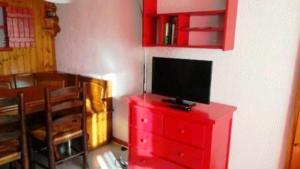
(24, 80)
(7, 82)
(65, 106)
(13, 124)
(42, 79)
(55, 80)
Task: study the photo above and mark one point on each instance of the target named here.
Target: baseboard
(119, 141)
(99, 146)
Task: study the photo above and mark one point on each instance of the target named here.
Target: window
(16, 27)
(20, 27)
(3, 29)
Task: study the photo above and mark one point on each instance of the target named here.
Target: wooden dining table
(99, 107)
(33, 98)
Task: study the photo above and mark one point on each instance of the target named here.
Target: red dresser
(161, 137)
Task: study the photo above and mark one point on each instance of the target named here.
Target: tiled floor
(103, 158)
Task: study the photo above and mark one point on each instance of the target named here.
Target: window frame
(4, 27)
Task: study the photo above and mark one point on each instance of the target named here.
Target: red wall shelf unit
(218, 32)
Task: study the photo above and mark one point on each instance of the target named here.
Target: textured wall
(257, 77)
(102, 39)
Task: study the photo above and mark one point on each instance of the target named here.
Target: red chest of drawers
(161, 137)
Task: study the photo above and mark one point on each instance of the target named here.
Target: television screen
(182, 78)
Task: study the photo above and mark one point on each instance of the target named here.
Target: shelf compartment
(150, 30)
(195, 13)
(183, 36)
(206, 23)
(190, 46)
(205, 38)
(161, 26)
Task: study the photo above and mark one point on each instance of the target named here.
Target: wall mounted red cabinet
(216, 32)
(161, 137)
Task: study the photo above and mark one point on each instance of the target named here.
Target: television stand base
(180, 104)
(181, 107)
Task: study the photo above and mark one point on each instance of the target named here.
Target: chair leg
(85, 149)
(10, 166)
(56, 153)
(85, 162)
(30, 153)
(51, 157)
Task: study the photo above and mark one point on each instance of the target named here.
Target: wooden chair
(66, 121)
(13, 141)
(24, 80)
(7, 82)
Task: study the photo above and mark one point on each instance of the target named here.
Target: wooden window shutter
(20, 27)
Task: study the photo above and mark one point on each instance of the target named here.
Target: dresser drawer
(146, 120)
(190, 133)
(141, 159)
(184, 155)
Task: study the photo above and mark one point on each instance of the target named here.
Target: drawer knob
(180, 154)
(142, 160)
(144, 120)
(181, 131)
(143, 140)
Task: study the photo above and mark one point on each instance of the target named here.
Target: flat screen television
(182, 79)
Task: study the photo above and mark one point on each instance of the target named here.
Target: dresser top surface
(212, 112)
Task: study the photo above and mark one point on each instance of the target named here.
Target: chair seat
(61, 133)
(9, 151)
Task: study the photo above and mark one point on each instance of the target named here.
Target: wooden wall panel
(293, 150)
(41, 57)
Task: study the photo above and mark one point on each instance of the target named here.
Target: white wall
(257, 77)
(102, 38)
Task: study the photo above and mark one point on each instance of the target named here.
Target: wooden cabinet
(99, 111)
(197, 29)
(97, 128)
(163, 137)
(50, 19)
